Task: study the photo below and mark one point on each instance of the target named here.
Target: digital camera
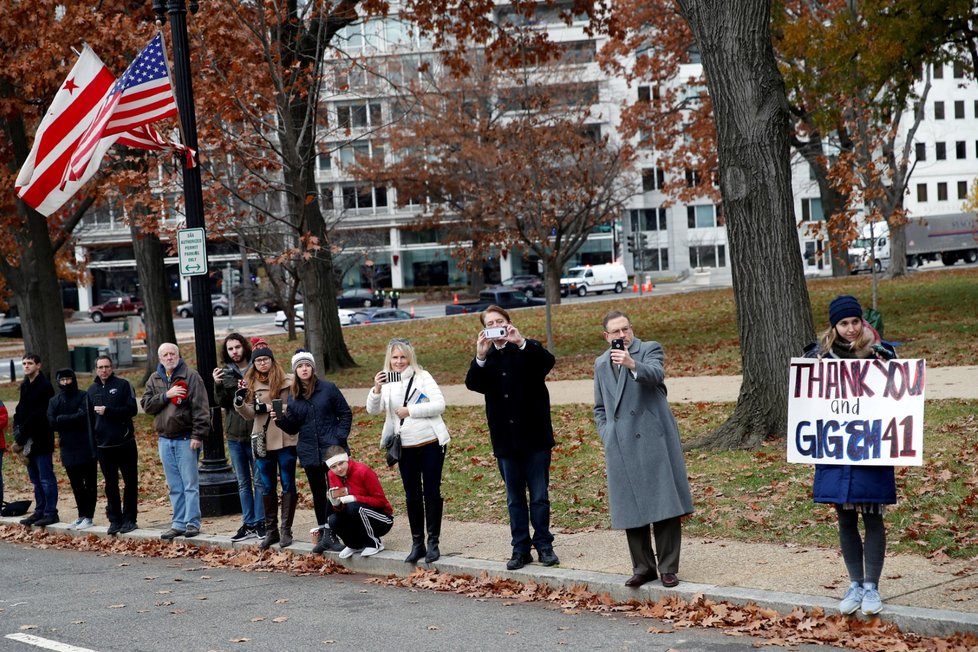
(494, 333)
(393, 376)
(618, 343)
(260, 408)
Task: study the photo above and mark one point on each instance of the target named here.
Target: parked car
(270, 304)
(282, 322)
(10, 327)
(498, 296)
(531, 286)
(358, 298)
(380, 315)
(219, 306)
(125, 306)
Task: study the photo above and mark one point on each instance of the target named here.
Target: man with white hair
(176, 395)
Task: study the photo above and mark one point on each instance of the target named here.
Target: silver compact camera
(393, 376)
(494, 333)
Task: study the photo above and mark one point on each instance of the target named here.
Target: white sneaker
(370, 550)
(852, 600)
(348, 552)
(85, 524)
(74, 524)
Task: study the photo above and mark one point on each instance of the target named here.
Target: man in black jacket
(114, 403)
(511, 370)
(31, 424)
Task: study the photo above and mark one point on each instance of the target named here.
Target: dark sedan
(358, 298)
(380, 316)
(10, 327)
(531, 286)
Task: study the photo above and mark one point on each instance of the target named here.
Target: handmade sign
(865, 412)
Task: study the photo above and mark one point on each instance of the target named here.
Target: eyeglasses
(104, 366)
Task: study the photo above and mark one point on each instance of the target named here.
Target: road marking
(47, 644)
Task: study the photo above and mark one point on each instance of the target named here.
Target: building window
(962, 189)
(938, 110)
(702, 217)
(324, 162)
(941, 154)
(654, 260)
(939, 71)
(359, 115)
(357, 197)
(648, 93)
(922, 192)
(811, 209)
(652, 179)
(958, 70)
(708, 256)
(959, 110)
(647, 219)
(941, 191)
(976, 108)
(921, 150)
(961, 149)
(692, 178)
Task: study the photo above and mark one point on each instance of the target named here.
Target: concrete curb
(922, 621)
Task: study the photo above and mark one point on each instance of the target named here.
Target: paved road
(134, 604)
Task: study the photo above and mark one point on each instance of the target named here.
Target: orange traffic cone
(412, 311)
(635, 287)
(455, 300)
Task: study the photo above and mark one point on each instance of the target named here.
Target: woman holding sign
(856, 490)
(413, 404)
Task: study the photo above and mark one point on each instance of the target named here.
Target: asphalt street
(77, 601)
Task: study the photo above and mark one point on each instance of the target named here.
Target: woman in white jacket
(413, 407)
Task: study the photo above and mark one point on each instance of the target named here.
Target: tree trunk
(898, 249)
(37, 291)
(751, 113)
(153, 282)
(551, 283)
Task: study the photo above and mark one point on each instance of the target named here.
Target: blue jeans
(180, 468)
(40, 469)
(522, 473)
(249, 483)
(282, 462)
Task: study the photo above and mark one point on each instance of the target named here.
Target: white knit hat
(303, 356)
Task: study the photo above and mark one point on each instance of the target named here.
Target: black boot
(415, 511)
(270, 503)
(327, 541)
(433, 512)
(289, 501)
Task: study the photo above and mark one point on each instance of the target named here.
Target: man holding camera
(510, 371)
(647, 481)
(236, 355)
(176, 396)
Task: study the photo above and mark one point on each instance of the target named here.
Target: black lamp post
(218, 486)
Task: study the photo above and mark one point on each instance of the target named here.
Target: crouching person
(361, 513)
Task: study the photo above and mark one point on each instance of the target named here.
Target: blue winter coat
(322, 421)
(842, 483)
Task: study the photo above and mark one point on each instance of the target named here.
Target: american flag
(142, 95)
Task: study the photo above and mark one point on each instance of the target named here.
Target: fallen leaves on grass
(799, 627)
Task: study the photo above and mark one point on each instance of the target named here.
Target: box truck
(948, 238)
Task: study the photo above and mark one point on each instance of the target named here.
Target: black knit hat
(844, 306)
(262, 352)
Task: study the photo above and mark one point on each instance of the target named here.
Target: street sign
(192, 245)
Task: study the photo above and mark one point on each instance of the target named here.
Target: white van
(594, 278)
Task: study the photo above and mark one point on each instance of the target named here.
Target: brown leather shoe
(669, 580)
(638, 579)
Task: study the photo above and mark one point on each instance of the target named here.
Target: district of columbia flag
(142, 95)
(74, 108)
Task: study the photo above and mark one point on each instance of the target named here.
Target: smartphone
(618, 343)
(277, 406)
(494, 333)
(97, 400)
(393, 376)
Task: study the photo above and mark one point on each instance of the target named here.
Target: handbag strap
(407, 394)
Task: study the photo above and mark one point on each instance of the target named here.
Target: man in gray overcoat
(647, 482)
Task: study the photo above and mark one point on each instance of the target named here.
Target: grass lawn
(751, 495)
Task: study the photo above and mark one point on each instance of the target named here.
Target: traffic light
(630, 239)
(645, 241)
